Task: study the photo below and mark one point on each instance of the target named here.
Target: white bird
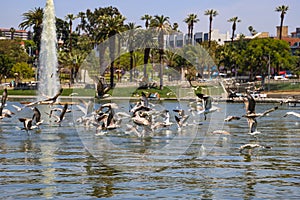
(57, 109)
(62, 114)
(88, 107)
(230, 118)
(165, 123)
(249, 147)
(53, 99)
(251, 115)
(27, 123)
(292, 113)
(137, 119)
(18, 109)
(221, 132)
(207, 104)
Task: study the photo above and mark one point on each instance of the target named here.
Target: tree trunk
(209, 35)
(112, 43)
(131, 65)
(146, 59)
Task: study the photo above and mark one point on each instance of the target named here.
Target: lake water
(71, 161)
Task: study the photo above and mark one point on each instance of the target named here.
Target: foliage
(33, 18)
(23, 70)
(6, 65)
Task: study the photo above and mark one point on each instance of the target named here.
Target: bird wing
(63, 112)
(4, 97)
(251, 103)
(36, 115)
(17, 107)
(270, 110)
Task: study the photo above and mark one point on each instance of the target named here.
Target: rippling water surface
(70, 161)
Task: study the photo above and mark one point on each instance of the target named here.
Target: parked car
(280, 78)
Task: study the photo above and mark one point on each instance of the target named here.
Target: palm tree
(147, 49)
(82, 24)
(191, 20)
(162, 25)
(33, 18)
(12, 32)
(211, 13)
(70, 18)
(252, 30)
(132, 27)
(234, 20)
(282, 9)
(113, 26)
(147, 19)
(175, 27)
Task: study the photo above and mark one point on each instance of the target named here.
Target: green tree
(132, 31)
(234, 20)
(70, 18)
(162, 25)
(252, 30)
(113, 26)
(147, 18)
(211, 13)
(282, 9)
(33, 18)
(96, 29)
(82, 24)
(259, 52)
(63, 32)
(6, 65)
(13, 50)
(72, 61)
(146, 39)
(191, 20)
(23, 70)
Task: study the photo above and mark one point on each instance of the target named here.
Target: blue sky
(258, 13)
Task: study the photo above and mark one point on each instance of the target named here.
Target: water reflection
(55, 163)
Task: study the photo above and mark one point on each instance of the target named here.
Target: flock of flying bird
(143, 115)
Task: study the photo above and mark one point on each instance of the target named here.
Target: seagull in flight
(53, 99)
(207, 104)
(250, 147)
(292, 113)
(251, 115)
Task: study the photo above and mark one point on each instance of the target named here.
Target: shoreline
(216, 99)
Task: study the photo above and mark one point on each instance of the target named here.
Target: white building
(178, 40)
(5, 34)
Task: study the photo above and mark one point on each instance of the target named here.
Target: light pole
(36, 63)
(269, 71)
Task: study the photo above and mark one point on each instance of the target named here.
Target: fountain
(48, 64)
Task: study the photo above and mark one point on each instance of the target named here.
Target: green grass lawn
(167, 92)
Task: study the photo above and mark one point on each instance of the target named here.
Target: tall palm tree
(113, 26)
(252, 30)
(12, 32)
(234, 20)
(211, 13)
(191, 20)
(147, 19)
(82, 24)
(282, 9)
(132, 27)
(175, 27)
(33, 18)
(70, 18)
(162, 25)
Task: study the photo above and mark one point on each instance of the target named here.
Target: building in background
(7, 34)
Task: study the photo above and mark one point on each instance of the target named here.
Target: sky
(257, 13)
